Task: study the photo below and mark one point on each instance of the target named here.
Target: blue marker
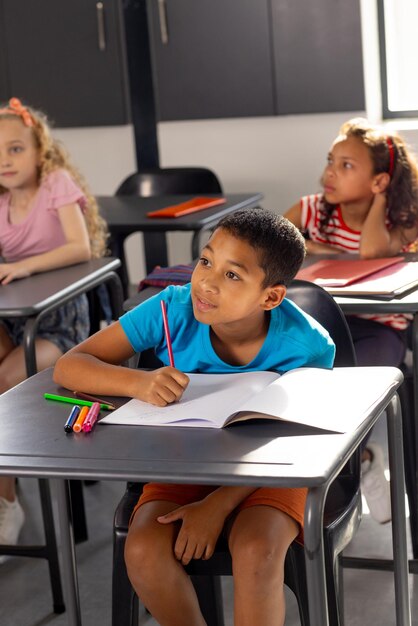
(68, 426)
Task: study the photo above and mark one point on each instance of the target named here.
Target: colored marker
(68, 426)
(167, 333)
(53, 396)
(86, 396)
(91, 418)
(80, 419)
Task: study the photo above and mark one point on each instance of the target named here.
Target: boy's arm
(376, 239)
(75, 250)
(94, 366)
(202, 522)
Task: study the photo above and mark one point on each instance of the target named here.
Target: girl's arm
(376, 239)
(75, 250)
(294, 215)
(94, 366)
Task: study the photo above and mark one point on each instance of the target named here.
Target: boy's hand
(163, 386)
(201, 525)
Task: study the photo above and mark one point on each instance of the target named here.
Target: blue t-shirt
(294, 339)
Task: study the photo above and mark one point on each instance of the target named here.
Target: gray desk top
(128, 213)
(33, 443)
(29, 296)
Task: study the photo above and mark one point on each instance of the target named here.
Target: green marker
(52, 396)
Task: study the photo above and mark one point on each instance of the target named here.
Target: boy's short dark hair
(279, 244)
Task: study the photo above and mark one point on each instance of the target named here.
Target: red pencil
(167, 333)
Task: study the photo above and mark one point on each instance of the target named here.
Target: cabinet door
(211, 58)
(66, 58)
(317, 56)
(4, 78)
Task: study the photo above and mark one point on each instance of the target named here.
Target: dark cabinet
(66, 58)
(234, 58)
(211, 58)
(317, 56)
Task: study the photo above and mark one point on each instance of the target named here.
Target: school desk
(33, 298)
(39, 294)
(403, 304)
(34, 443)
(407, 303)
(128, 214)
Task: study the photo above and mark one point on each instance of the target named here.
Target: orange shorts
(290, 501)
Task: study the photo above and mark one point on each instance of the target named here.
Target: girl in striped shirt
(368, 206)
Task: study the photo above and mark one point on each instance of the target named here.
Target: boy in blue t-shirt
(232, 317)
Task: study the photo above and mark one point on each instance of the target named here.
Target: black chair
(169, 180)
(158, 182)
(342, 509)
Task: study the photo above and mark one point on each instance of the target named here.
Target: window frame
(386, 112)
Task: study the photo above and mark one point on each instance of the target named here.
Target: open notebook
(311, 396)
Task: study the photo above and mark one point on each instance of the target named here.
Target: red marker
(91, 418)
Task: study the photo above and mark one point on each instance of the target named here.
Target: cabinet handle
(101, 33)
(162, 13)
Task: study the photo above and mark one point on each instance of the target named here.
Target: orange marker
(80, 419)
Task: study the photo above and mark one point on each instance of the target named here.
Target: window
(398, 44)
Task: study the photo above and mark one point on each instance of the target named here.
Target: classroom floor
(25, 598)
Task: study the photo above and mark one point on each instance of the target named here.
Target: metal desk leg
(155, 248)
(397, 494)
(68, 554)
(415, 374)
(115, 287)
(314, 556)
(31, 326)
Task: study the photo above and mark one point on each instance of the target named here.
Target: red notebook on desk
(340, 273)
(184, 208)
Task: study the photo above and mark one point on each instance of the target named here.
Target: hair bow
(391, 149)
(16, 108)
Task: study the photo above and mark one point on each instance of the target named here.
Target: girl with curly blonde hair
(48, 220)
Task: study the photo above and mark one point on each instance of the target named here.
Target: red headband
(16, 108)
(391, 156)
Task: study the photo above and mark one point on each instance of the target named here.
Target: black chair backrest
(170, 180)
(318, 303)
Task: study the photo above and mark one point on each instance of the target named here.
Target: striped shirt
(336, 233)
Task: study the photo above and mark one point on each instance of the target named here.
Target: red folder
(339, 273)
(184, 208)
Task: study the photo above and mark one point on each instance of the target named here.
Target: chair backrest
(318, 303)
(170, 180)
